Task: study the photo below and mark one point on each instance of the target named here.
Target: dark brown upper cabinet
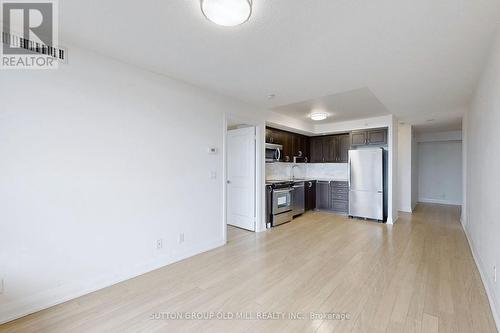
(287, 142)
(294, 145)
(329, 149)
(358, 138)
(343, 144)
(376, 137)
(300, 146)
(273, 136)
(316, 149)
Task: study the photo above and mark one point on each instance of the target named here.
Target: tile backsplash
(327, 170)
(280, 170)
(307, 170)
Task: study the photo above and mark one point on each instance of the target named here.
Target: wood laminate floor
(415, 276)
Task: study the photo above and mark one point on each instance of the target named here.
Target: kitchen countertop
(308, 179)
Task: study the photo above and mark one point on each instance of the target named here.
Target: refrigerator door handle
(349, 172)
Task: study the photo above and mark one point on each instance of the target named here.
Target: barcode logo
(29, 35)
(14, 41)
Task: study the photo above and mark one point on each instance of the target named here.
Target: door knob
(228, 181)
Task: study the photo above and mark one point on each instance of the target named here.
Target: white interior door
(241, 178)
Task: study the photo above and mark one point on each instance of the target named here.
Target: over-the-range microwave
(273, 152)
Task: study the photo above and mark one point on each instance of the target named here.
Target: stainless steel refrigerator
(367, 183)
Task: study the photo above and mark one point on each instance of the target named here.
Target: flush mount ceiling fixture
(319, 116)
(228, 13)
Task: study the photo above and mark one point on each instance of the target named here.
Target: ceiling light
(319, 115)
(227, 13)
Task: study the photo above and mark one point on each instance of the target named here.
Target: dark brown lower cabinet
(332, 196)
(340, 197)
(310, 195)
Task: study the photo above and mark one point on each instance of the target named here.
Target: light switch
(212, 150)
(213, 174)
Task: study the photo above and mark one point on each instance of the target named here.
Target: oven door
(282, 200)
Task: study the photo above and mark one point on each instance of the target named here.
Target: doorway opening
(440, 169)
(242, 171)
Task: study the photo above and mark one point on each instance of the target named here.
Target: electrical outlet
(159, 244)
(495, 274)
(181, 238)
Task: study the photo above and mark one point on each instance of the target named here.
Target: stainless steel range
(285, 199)
(281, 202)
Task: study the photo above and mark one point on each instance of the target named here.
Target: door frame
(259, 189)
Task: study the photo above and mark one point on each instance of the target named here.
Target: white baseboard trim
(491, 297)
(392, 219)
(463, 221)
(406, 210)
(64, 293)
(441, 202)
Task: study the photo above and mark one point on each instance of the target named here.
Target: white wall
(440, 136)
(405, 151)
(465, 193)
(393, 170)
(99, 160)
(483, 177)
(440, 172)
(414, 169)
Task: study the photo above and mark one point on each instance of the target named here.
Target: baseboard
(393, 219)
(441, 202)
(491, 297)
(64, 293)
(406, 210)
(463, 222)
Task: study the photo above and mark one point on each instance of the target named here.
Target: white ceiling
(350, 105)
(420, 59)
